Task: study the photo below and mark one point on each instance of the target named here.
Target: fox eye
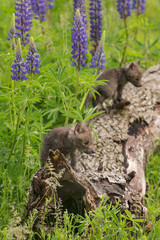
(137, 79)
(86, 143)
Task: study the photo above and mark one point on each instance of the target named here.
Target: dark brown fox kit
(117, 78)
(67, 140)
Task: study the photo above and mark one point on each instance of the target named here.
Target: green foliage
(107, 222)
(56, 97)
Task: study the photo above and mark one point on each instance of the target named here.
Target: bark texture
(126, 137)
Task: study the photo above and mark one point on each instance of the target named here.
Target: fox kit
(67, 140)
(113, 88)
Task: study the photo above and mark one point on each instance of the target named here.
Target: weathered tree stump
(126, 137)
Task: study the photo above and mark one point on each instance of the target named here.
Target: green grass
(26, 115)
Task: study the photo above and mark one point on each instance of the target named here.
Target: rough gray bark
(126, 137)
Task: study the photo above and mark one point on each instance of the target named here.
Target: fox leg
(119, 95)
(101, 100)
(73, 160)
(115, 98)
(95, 100)
(118, 101)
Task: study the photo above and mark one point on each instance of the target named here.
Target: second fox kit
(67, 140)
(117, 78)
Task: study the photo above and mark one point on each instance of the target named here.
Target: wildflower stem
(77, 84)
(25, 131)
(77, 90)
(126, 41)
(17, 125)
(65, 108)
(29, 110)
(32, 63)
(13, 102)
(66, 121)
(83, 100)
(31, 82)
(10, 102)
(11, 46)
(10, 114)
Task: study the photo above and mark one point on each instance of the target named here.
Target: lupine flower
(139, 5)
(98, 58)
(124, 8)
(75, 5)
(40, 8)
(12, 29)
(79, 40)
(19, 67)
(12, 32)
(32, 61)
(95, 23)
(13, 44)
(50, 4)
(23, 20)
(80, 4)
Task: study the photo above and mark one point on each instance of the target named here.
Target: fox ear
(131, 65)
(78, 128)
(139, 63)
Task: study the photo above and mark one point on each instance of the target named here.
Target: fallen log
(126, 138)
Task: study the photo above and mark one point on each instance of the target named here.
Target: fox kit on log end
(67, 140)
(116, 80)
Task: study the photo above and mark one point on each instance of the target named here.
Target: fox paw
(123, 103)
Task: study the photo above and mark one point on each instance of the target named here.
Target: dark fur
(117, 78)
(67, 140)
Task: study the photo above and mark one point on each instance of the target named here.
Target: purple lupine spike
(40, 8)
(32, 61)
(124, 8)
(23, 20)
(95, 23)
(19, 67)
(98, 58)
(50, 4)
(139, 5)
(12, 30)
(80, 4)
(134, 4)
(75, 2)
(79, 41)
